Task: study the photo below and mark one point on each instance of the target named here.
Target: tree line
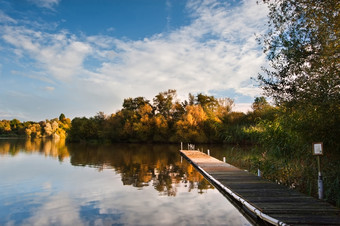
(56, 128)
(200, 119)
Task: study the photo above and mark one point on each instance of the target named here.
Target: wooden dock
(266, 202)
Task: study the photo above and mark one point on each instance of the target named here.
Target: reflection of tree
(147, 165)
(53, 148)
(139, 165)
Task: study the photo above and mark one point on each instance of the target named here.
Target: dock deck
(265, 201)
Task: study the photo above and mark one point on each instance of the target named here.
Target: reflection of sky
(38, 190)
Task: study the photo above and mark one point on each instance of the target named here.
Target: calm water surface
(51, 183)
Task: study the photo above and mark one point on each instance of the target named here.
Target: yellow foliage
(189, 128)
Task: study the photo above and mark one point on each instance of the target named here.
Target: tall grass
(285, 156)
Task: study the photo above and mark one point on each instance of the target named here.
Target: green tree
(207, 102)
(132, 104)
(260, 104)
(163, 102)
(302, 45)
(83, 129)
(62, 117)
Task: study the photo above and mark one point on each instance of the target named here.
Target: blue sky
(79, 57)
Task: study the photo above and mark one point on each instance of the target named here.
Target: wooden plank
(273, 200)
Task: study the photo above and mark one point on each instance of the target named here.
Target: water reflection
(105, 185)
(48, 147)
(159, 166)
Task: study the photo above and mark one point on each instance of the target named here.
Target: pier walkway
(266, 202)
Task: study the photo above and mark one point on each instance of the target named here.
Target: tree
(62, 117)
(302, 45)
(207, 102)
(163, 102)
(224, 107)
(135, 103)
(190, 127)
(5, 127)
(260, 104)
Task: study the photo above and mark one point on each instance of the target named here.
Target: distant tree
(62, 117)
(132, 104)
(48, 129)
(163, 102)
(160, 129)
(100, 116)
(191, 99)
(143, 128)
(33, 130)
(190, 127)
(5, 127)
(260, 104)
(83, 129)
(207, 102)
(114, 127)
(15, 124)
(224, 107)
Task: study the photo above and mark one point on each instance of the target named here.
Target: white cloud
(242, 107)
(49, 88)
(60, 55)
(9, 115)
(216, 52)
(49, 4)
(6, 19)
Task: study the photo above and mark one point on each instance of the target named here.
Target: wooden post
(224, 159)
(318, 150)
(320, 182)
(208, 152)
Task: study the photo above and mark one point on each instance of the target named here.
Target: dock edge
(237, 198)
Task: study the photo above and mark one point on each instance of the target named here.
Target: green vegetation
(302, 46)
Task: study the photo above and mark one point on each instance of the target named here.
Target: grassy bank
(296, 173)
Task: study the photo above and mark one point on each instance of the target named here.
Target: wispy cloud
(60, 55)
(217, 51)
(6, 19)
(168, 18)
(49, 88)
(49, 4)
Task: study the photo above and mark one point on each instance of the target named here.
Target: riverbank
(295, 173)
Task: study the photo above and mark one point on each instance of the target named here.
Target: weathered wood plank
(273, 200)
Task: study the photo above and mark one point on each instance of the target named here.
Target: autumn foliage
(198, 120)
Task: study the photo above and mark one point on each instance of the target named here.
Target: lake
(46, 182)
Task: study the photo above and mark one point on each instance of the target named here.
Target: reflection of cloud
(58, 209)
(164, 210)
(47, 186)
(62, 194)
